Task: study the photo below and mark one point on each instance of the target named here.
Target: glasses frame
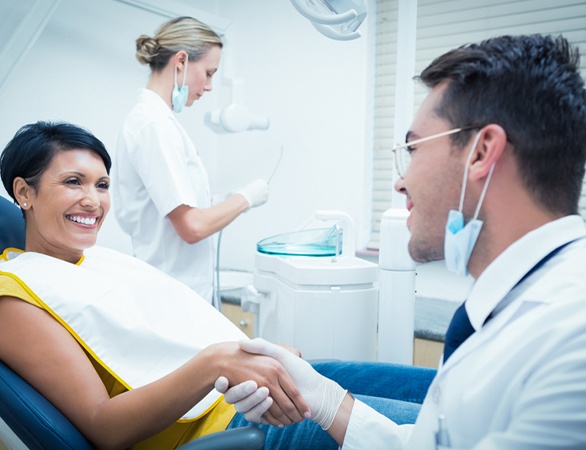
(425, 139)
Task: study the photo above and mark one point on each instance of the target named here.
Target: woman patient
(84, 328)
(127, 353)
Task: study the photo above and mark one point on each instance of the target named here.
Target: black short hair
(531, 86)
(34, 146)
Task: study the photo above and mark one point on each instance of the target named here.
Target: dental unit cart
(314, 294)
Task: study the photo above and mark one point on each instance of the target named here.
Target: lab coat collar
(155, 102)
(503, 274)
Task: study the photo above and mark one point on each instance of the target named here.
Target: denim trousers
(394, 390)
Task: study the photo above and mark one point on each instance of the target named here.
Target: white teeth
(83, 220)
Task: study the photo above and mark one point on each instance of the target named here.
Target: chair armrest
(245, 438)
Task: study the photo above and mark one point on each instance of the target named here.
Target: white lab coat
(519, 382)
(157, 169)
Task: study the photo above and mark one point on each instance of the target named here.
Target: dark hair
(34, 146)
(531, 86)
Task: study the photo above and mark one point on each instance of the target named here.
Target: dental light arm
(236, 116)
(336, 19)
(333, 34)
(314, 16)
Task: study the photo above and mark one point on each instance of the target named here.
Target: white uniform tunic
(519, 382)
(157, 169)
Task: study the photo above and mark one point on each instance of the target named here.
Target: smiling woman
(87, 327)
(71, 203)
(60, 179)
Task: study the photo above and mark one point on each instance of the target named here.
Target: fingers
(249, 400)
(221, 384)
(242, 391)
(293, 350)
(255, 414)
(259, 346)
(289, 405)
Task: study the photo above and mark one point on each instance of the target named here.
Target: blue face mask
(460, 239)
(179, 96)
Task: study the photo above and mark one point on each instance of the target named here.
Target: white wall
(82, 69)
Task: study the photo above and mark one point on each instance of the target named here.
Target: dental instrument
(277, 166)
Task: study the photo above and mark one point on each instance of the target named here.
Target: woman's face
(200, 73)
(65, 213)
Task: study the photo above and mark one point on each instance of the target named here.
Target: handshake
(323, 396)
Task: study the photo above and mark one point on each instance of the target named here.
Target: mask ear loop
(465, 177)
(483, 192)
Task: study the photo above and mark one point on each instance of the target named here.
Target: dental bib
(118, 308)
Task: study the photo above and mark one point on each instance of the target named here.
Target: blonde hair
(181, 33)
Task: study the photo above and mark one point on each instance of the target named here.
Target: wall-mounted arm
(336, 19)
(236, 116)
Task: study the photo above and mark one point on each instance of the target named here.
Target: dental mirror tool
(277, 166)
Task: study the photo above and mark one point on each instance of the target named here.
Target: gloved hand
(323, 395)
(255, 193)
(247, 398)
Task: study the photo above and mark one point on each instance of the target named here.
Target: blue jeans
(393, 390)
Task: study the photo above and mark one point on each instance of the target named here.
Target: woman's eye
(104, 185)
(73, 181)
(410, 149)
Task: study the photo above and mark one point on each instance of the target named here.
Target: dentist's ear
(489, 149)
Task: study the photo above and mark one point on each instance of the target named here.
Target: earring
(24, 204)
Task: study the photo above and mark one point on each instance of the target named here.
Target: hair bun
(146, 48)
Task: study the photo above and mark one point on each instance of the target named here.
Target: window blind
(441, 26)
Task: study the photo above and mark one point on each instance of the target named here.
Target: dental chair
(11, 225)
(38, 424)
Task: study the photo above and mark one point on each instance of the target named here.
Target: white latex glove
(323, 395)
(247, 398)
(255, 193)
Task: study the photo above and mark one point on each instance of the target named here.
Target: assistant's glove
(255, 193)
(323, 395)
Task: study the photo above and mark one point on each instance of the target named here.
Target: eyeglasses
(402, 153)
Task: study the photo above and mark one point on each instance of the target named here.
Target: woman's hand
(324, 396)
(285, 404)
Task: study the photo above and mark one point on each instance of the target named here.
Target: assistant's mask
(179, 95)
(460, 239)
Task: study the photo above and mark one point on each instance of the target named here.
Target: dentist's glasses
(402, 152)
